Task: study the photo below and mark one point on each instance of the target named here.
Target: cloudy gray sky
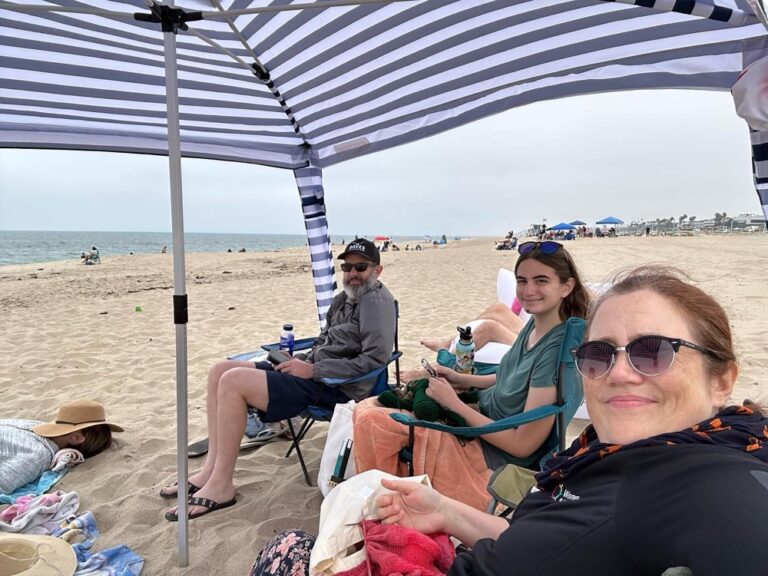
(634, 155)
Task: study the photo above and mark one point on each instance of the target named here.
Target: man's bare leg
(238, 388)
(214, 377)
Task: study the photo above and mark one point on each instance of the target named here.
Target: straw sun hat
(26, 555)
(74, 416)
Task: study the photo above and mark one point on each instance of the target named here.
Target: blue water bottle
(286, 339)
(465, 351)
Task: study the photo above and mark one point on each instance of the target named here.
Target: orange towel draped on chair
(455, 470)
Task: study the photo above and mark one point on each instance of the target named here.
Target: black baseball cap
(363, 247)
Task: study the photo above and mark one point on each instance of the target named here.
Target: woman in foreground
(550, 289)
(666, 476)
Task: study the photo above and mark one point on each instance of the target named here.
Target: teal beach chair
(569, 395)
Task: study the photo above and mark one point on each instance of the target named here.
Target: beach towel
(457, 469)
(42, 514)
(340, 532)
(82, 532)
(35, 488)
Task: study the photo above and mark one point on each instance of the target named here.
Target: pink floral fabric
(286, 555)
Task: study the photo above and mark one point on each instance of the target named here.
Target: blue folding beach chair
(319, 413)
(569, 396)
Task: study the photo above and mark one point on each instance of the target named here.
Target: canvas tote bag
(340, 515)
(339, 433)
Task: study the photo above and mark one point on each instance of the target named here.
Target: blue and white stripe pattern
(343, 81)
(759, 141)
(711, 10)
(310, 183)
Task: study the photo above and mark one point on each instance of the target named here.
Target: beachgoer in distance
(667, 476)
(358, 337)
(27, 447)
(164, 250)
(550, 289)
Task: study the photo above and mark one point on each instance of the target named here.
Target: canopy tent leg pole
(179, 289)
(310, 183)
(759, 141)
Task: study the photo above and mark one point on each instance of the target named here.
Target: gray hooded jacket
(357, 338)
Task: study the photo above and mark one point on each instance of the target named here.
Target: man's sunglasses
(359, 266)
(548, 247)
(648, 355)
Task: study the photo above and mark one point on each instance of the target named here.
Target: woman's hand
(413, 505)
(451, 376)
(443, 393)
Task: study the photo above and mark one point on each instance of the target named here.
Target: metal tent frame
(307, 85)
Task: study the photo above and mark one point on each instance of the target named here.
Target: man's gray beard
(355, 292)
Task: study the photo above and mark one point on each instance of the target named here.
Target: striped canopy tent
(303, 86)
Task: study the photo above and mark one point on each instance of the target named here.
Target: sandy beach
(105, 332)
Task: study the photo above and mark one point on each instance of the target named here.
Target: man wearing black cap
(358, 337)
(360, 326)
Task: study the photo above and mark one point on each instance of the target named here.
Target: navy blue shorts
(290, 395)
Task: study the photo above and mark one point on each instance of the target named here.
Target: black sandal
(191, 489)
(208, 504)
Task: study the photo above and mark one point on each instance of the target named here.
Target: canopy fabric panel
(759, 141)
(335, 83)
(310, 183)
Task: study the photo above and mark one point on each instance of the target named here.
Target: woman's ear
(721, 387)
(568, 286)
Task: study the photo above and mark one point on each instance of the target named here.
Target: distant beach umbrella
(610, 220)
(563, 226)
(578, 223)
(381, 238)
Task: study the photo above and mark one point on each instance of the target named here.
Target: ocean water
(25, 247)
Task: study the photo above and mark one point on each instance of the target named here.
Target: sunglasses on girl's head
(648, 355)
(359, 266)
(548, 247)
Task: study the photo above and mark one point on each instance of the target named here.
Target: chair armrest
(252, 356)
(473, 431)
(257, 355)
(372, 374)
(301, 344)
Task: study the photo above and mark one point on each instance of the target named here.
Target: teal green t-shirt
(520, 369)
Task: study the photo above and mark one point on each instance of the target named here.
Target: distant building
(746, 220)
